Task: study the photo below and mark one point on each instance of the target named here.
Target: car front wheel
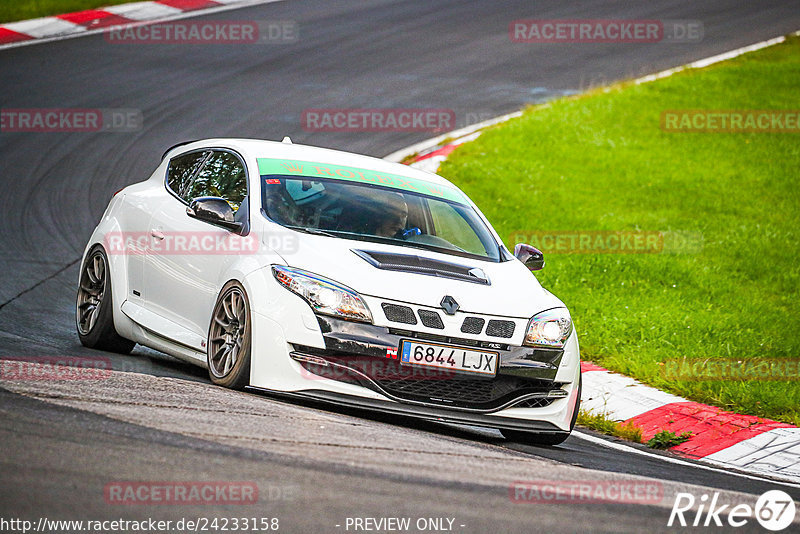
(229, 338)
(94, 314)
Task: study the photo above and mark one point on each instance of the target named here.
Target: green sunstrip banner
(268, 166)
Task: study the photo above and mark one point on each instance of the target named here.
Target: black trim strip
(420, 412)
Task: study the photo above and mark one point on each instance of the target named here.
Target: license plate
(449, 357)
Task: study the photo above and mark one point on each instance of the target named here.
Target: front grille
(428, 385)
(431, 319)
(454, 389)
(497, 328)
(399, 314)
(534, 403)
(472, 325)
(427, 336)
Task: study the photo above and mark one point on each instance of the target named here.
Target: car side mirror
(214, 210)
(532, 257)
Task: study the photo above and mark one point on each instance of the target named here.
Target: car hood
(512, 291)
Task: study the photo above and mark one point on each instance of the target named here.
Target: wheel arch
(118, 274)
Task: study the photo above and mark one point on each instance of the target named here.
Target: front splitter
(441, 415)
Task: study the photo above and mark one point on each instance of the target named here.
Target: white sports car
(309, 272)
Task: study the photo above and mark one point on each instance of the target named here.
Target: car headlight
(325, 296)
(550, 328)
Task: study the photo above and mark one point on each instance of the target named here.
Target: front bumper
(360, 374)
(366, 355)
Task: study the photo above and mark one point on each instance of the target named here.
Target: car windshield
(373, 213)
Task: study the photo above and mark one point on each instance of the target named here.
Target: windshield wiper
(313, 231)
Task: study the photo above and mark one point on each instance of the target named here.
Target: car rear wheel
(554, 438)
(93, 313)
(229, 338)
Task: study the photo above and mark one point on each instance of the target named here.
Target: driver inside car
(392, 222)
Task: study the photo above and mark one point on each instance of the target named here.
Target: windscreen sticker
(268, 166)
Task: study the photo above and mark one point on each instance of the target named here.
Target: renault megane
(322, 274)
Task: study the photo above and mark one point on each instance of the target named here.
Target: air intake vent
(421, 265)
(536, 402)
(431, 319)
(399, 314)
(500, 328)
(472, 325)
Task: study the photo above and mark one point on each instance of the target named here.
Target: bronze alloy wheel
(91, 291)
(94, 315)
(229, 338)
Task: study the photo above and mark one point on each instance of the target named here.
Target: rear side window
(223, 176)
(181, 170)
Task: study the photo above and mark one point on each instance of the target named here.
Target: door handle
(157, 234)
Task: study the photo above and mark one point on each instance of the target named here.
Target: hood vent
(408, 263)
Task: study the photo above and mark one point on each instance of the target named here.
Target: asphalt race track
(158, 419)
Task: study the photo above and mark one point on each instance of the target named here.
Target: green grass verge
(666, 439)
(601, 161)
(13, 10)
(602, 424)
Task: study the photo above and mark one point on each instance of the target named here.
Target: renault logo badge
(449, 305)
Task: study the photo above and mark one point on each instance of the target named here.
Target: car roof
(259, 148)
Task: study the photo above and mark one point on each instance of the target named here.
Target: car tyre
(548, 439)
(229, 337)
(94, 314)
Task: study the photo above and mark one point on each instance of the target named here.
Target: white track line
(669, 459)
(700, 63)
(455, 134)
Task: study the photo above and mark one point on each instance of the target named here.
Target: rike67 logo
(774, 510)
